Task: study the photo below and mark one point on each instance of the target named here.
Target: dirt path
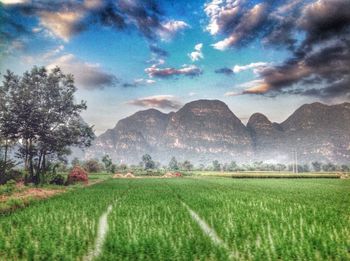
(101, 235)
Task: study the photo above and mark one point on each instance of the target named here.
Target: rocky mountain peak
(205, 130)
(258, 120)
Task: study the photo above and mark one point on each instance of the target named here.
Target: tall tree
(45, 119)
(148, 163)
(216, 165)
(173, 164)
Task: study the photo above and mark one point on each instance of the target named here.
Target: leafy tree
(201, 166)
(122, 167)
(281, 167)
(147, 161)
(216, 165)
(317, 166)
(44, 118)
(187, 165)
(108, 164)
(232, 166)
(173, 164)
(345, 168)
(75, 162)
(113, 168)
(92, 165)
(329, 167)
(305, 168)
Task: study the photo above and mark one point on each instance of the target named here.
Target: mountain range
(206, 130)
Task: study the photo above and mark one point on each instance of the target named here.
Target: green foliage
(216, 165)
(75, 162)
(8, 188)
(186, 165)
(8, 173)
(39, 113)
(92, 166)
(317, 166)
(57, 179)
(147, 161)
(173, 164)
(108, 164)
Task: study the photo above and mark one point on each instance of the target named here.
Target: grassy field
(152, 219)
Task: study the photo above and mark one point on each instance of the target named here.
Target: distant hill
(205, 130)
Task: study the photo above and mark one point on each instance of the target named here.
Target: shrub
(77, 174)
(57, 179)
(8, 188)
(7, 172)
(92, 165)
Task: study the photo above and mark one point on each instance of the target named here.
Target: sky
(129, 55)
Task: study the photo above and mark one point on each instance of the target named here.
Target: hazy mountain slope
(205, 130)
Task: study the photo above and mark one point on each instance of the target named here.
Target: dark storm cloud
(65, 19)
(316, 32)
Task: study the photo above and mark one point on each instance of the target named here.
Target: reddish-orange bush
(77, 174)
(178, 174)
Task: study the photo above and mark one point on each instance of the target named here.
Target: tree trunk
(6, 150)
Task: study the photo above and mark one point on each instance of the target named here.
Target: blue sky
(129, 55)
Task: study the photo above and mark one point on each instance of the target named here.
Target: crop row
(274, 219)
(61, 228)
(150, 223)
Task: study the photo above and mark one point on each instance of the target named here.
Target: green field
(150, 219)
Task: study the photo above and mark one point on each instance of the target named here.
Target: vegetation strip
(210, 232)
(101, 232)
(101, 235)
(205, 227)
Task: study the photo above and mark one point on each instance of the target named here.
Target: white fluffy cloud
(256, 67)
(61, 24)
(197, 54)
(233, 19)
(13, 2)
(169, 29)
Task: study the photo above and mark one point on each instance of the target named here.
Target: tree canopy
(40, 115)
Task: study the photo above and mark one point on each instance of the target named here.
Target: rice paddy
(160, 219)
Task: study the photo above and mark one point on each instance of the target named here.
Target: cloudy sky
(128, 55)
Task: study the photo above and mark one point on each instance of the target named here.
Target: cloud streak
(157, 101)
(65, 19)
(168, 72)
(87, 76)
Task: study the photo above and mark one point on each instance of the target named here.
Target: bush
(10, 175)
(8, 188)
(57, 179)
(92, 165)
(77, 174)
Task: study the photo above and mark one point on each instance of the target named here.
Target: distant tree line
(148, 164)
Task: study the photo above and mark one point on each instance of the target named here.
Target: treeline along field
(255, 219)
